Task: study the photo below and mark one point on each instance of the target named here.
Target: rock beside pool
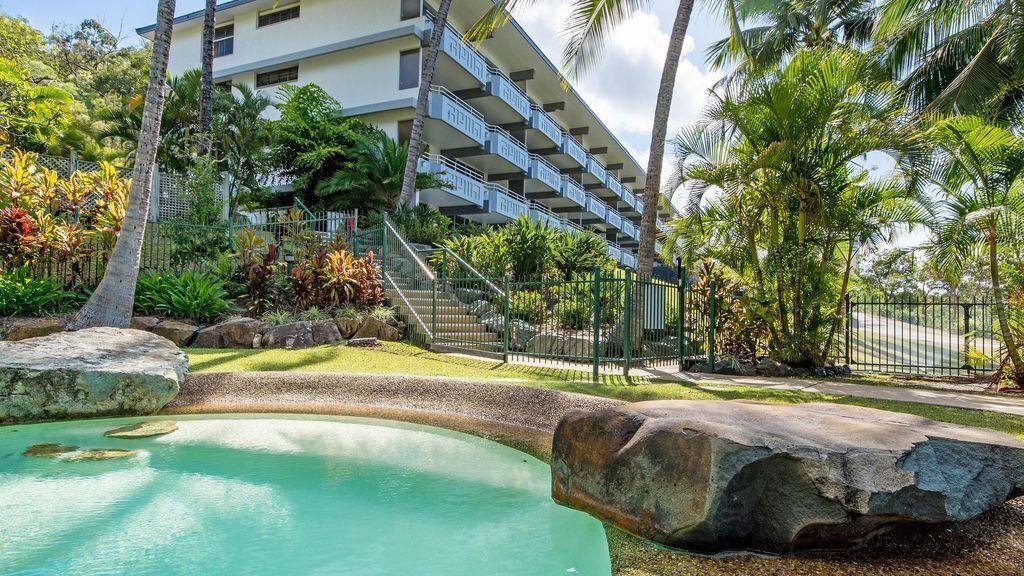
(48, 450)
(94, 372)
(102, 454)
(723, 476)
(143, 430)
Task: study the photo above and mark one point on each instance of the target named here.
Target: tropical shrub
(576, 253)
(330, 278)
(575, 313)
(420, 224)
(278, 317)
(385, 314)
(347, 312)
(189, 295)
(257, 270)
(313, 314)
(526, 305)
(23, 295)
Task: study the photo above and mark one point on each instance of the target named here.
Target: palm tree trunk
(206, 91)
(840, 310)
(112, 302)
(662, 109)
(997, 294)
(426, 81)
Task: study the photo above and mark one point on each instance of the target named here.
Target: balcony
(506, 90)
(612, 183)
(457, 115)
(462, 53)
(628, 197)
(615, 252)
(628, 259)
(504, 204)
(540, 121)
(541, 213)
(573, 149)
(639, 205)
(467, 186)
(573, 191)
(661, 226)
(614, 218)
(628, 229)
(596, 169)
(501, 143)
(543, 171)
(596, 207)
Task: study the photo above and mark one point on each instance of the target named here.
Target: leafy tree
(313, 140)
(19, 41)
(33, 115)
(243, 142)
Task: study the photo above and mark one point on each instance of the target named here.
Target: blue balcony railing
(596, 207)
(539, 120)
(628, 259)
(448, 108)
(463, 53)
(501, 143)
(614, 218)
(542, 170)
(615, 252)
(596, 169)
(465, 182)
(541, 213)
(629, 197)
(573, 191)
(639, 205)
(661, 226)
(627, 227)
(573, 148)
(504, 88)
(502, 201)
(612, 183)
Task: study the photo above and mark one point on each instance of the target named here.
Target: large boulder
(297, 335)
(373, 328)
(347, 326)
(715, 476)
(238, 333)
(22, 329)
(520, 332)
(94, 372)
(178, 332)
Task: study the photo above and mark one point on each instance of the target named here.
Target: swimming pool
(285, 495)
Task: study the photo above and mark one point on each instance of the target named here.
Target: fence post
(967, 334)
(154, 196)
(433, 313)
(73, 163)
(681, 273)
(444, 269)
(597, 321)
(849, 327)
(712, 321)
(507, 312)
(627, 329)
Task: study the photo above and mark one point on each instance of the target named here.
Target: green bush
(313, 314)
(421, 224)
(383, 313)
(526, 305)
(22, 295)
(347, 312)
(278, 317)
(188, 295)
(575, 313)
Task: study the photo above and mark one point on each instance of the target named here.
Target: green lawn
(397, 358)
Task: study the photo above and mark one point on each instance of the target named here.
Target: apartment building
(500, 129)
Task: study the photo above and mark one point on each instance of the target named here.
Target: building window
(409, 69)
(411, 9)
(279, 15)
(224, 40)
(273, 77)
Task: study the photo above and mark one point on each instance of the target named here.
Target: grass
(398, 358)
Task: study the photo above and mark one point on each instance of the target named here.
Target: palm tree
(244, 138)
(590, 24)
(779, 29)
(980, 169)
(422, 97)
(956, 56)
(206, 94)
(112, 302)
(781, 153)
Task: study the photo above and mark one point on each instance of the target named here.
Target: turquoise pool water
(282, 495)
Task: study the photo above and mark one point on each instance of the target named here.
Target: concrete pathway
(993, 402)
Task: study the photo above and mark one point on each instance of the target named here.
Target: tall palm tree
(112, 302)
(244, 138)
(590, 25)
(762, 34)
(961, 56)
(980, 169)
(422, 97)
(206, 94)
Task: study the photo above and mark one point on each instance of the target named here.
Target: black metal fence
(941, 336)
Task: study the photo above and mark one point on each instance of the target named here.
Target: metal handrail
(458, 101)
(469, 268)
(408, 249)
(412, 309)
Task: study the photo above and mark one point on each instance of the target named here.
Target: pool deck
(520, 416)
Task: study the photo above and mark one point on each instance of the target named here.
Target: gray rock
(364, 342)
(520, 332)
(347, 326)
(479, 308)
(296, 335)
(772, 369)
(94, 372)
(546, 343)
(373, 328)
(714, 476)
(238, 333)
(179, 333)
(22, 329)
(733, 367)
(469, 295)
(494, 322)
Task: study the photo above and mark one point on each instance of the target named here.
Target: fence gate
(937, 336)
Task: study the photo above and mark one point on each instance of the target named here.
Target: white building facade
(500, 128)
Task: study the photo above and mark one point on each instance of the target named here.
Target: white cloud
(623, 86)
